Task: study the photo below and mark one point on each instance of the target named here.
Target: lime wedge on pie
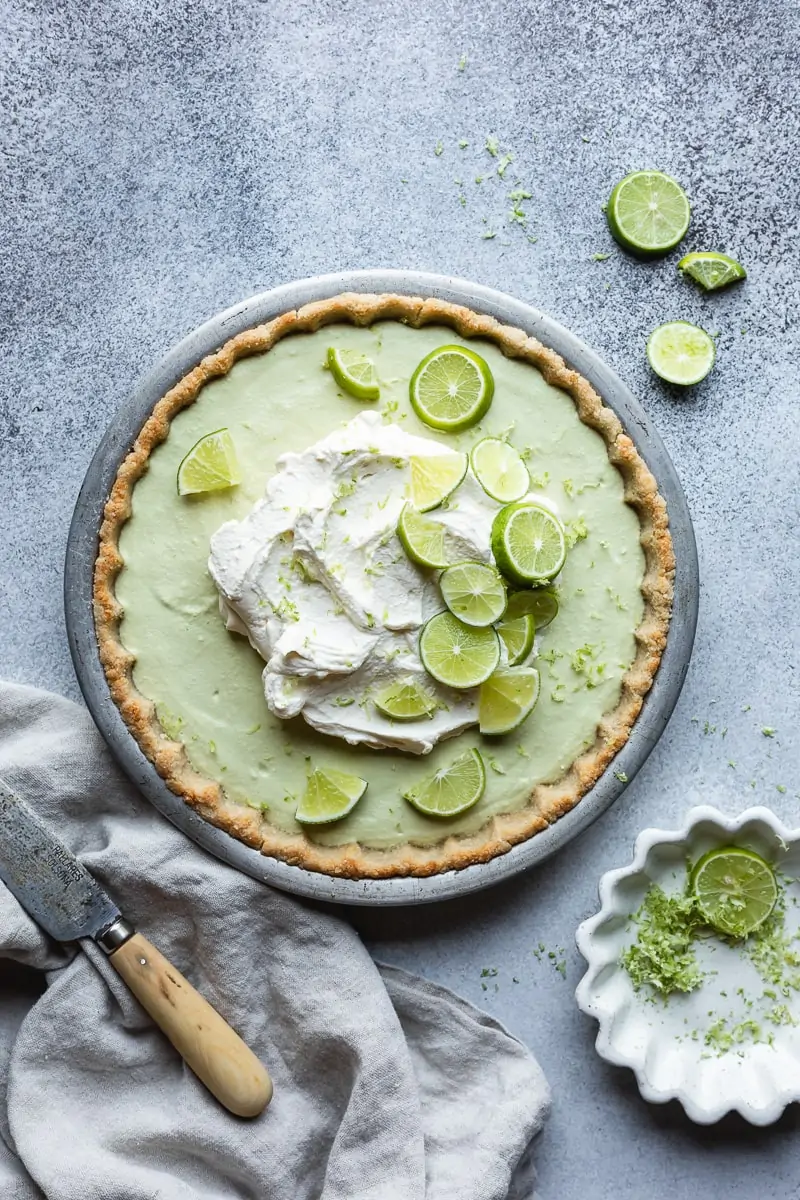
(507, 698)
(648, 213)
(517, 636)
(354, 373)
(210, 466)
(681, 353)
(451, 389)
(711, 269)
(456, 654)
(434, 478)
(541, 603)
(329, 796)
(500, 470)
(528, 543)
(474, 593)
(452, 789)
(407, 700)
(735, 889)
(422, 539)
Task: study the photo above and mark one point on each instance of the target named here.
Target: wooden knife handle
(207, 1044)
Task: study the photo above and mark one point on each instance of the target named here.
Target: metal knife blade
(47, 880)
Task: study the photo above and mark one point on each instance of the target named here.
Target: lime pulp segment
(451, 790)
(541, 603)
(451, 388)
(681, 353)
(210, 465)
(506, 699)
(735, 889)
(499, 469)
(648, 213)
(474, 593)
(434, 477)
(517, 636)
(422, 539)
(528, 543)
(354, 373)
(329, 796)
(406, 700)
(456, 654)
(711, 269)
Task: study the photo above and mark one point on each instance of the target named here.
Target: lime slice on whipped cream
(474, 592)
(517, 636)
(406, 700)
(434, 477)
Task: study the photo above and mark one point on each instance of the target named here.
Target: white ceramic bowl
(655, 1040)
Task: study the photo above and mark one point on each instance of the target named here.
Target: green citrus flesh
(499, 469)
(506, 699)
(210, 466)
(648, 213)
(451, 389)
(452, 789)
(541, 603)
(711, 269)
(329, 796)
(422, 539)
(735, 889)
(681, 353)
(354, 373)
(474, 592)
(517, 636)
(458, 655)
(528, 543)
(406, 700)
(434, 478)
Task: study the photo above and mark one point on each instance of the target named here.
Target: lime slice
(507, 698)
(735, 889)
(210, 465)
(499, 470)
(434, 477)
(451, 388)
(541, 603)
(648, 213)
(421, 538)
(457, 654)
(354, 372)
(711, 270)
(450, 790)
(474, 593)
(406, 700)
(528, 543)
(681, 353)
(329, 795)
(517, 636)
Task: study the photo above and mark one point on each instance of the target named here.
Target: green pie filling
(206, 682)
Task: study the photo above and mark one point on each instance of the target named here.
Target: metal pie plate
(82, 550)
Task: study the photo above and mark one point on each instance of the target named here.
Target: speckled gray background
(161, 160)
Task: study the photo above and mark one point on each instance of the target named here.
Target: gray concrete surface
(161, 160)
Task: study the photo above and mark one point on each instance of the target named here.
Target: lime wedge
(735, 889)
(500, 470)
(457, 654)
(711, 270)
(434, 477)
(474, 593)
(354, 373)
(517, 636)
(450, 790)
(541, 603)
(451, 388)
(528, 543)
(507, 698)
(648, 213)
(406, 700)
(210, 465)
(329, 795)
(681, 353)
(422, 539)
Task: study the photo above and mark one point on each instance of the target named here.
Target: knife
(62, 897)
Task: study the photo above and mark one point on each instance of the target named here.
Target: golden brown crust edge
(547, 801)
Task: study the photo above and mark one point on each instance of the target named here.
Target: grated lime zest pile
(662, 956)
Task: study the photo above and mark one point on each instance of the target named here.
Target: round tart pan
(82, 550)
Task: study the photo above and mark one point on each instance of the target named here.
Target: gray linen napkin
(387, 1087)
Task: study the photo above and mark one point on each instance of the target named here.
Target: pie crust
(547, 802)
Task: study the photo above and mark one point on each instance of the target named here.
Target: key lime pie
(381, 587)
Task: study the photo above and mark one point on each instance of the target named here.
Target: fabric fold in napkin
(387, 1087)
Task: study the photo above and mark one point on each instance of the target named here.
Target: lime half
(528, 543)
(434, 477)
(450, 790)
(456, 654)
(474, 593)
(735, 889)
(507, 698)
(329, 795)
(541, 603)
(422, 539)
(500, 470)
(648, 213)
(354, 373)
(517, 636)
(711, 270)
(210, 465)
(681, 353)
(451, 388)
(406, 700)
